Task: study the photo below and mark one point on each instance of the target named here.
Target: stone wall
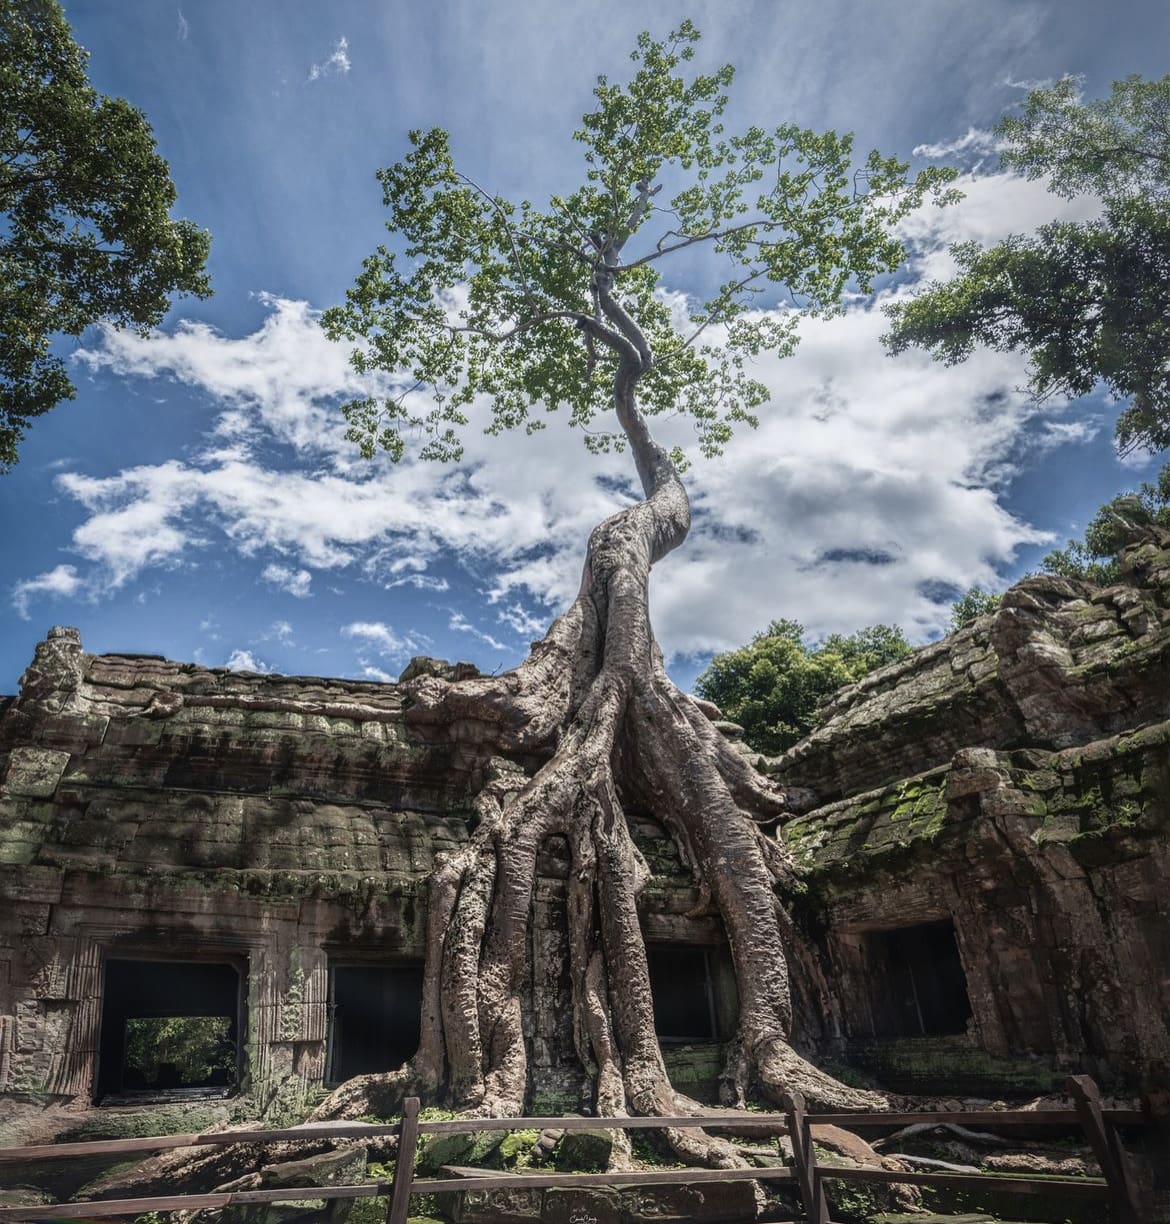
(159, 811)
(1013, 779)
(1003, 793)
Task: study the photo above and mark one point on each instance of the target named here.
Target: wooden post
(812, 1190)
(404, 1162)
(1106, 1147)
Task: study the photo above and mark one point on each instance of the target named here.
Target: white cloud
(460, 624)
(245, 660)
(295, 582)
(273, 385)
(62, 580)
(380, 636)
(376, 673)
(337, 63)
(183, 28)
(521, 621)
(857, 455)
(280, 631)
(976, 140)
(1030, 83)
(420, 582)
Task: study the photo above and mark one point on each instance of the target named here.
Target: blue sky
(198, 500)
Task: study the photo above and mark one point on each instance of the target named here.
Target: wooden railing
(1115, 1186)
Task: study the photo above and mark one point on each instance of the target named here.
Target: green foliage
(85, 234)
(976, 602)
(1085, 301)
(196, 1046)
(774, 686)
(1115, 524)
(501, 301)
(517, 1147)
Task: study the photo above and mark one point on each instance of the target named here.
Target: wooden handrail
(741, 1120)
(1099, 1125)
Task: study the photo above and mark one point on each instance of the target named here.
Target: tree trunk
(594, 696)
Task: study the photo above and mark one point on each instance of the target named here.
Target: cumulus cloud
(380, 636)
(859, 456)
(294, 582)
(62, 580)
(245, 660)
(337, 63)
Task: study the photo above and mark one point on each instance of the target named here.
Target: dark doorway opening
(684, 995)
(918, 986)
(169, 1027)
(374, 1018)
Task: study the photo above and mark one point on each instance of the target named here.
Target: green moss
(141, 1121)
(517, 1147)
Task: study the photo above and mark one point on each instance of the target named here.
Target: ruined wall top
(1061, 662)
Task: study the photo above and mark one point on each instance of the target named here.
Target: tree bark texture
(593, 700)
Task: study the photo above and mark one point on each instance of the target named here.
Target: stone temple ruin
(241, 858)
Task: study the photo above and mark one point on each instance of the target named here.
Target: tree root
(609, 732)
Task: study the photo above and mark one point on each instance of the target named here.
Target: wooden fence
(1115, 1187)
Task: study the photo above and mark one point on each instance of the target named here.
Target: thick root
(378, 1096)
(779, 1069)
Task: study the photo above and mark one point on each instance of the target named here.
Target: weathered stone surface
(1012, 781)
(1029, 805)
(584, 1151)
(34, 771)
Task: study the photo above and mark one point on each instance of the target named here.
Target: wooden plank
(560, 1181)
(96, 1147)
(975, 1117)
(189, 1202)
(404, 1162)
(114, 1207)
(1106, 1147)
(812, 1193)
(742, 1120)
(1079, 1187)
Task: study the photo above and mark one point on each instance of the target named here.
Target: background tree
(972, 604)
(1086, 301)
(199, 1048)
(1115, 524)
(84, 228)
(774, 686)
(517, 311)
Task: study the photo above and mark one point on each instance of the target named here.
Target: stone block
(597, 1205)
(35, 771)
(584, 1151)
(460, 1148)
(495, 1207)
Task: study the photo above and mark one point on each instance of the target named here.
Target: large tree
(85, 231)
(502, 308)
(775, 684)
(1086, 301)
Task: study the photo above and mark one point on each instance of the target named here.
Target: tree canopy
(1085, 300)
(774, 686)
(527, 308)
(85, 233)
(972, 604)
(482, 303)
